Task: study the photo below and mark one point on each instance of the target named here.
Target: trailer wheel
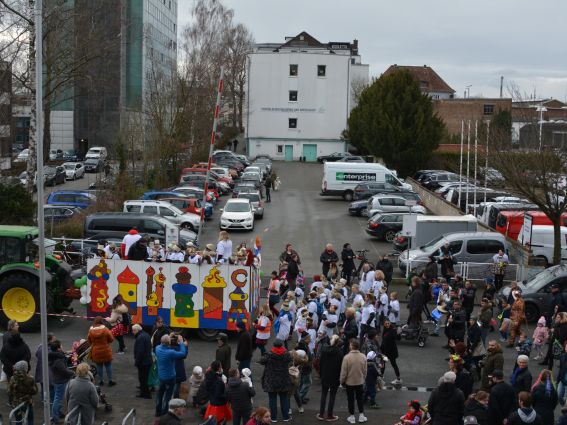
(208, 334)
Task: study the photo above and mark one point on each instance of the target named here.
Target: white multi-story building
(299, 97)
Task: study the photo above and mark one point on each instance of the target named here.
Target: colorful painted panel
(184, 295)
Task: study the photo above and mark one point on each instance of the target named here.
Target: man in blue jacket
(142, 359)
(166, 357)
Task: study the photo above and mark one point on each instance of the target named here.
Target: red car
(191, 205)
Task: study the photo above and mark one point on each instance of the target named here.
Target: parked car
(156, 195)
(76, 198)
(334, 157)
(264, 160)
(400, 242)
(164, 209)
(237, 214)
(97, 152)
(256, 200)
(256, 178)
(244, 187)
(242, 158)
(74, 170)
(385, 226)
(190, 205)
(391, 203)
(537, 291)
(54, 175)
(72, 156)
(433, 181)
(367, 190)
(192, 191)
(353, 158)
(94, 165)
(54, 213)
(55, 154)
(358, 208)
(422, 174)
(23, 156)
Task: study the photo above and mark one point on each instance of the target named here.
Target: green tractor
(19, 278)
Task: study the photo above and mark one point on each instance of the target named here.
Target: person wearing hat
(499, 263)
(276, 380)
(244, 348)
(174, 254)
(156, 251)
(521, 378)
(129, 239)
(139, 250)
(112, 251)
(22, 388)
(305, 369)
(193, 257)
(446, 403)
(176, 410)
(348, 256)
(386, 267)
(282, 325)
(371, 379)
(502, 400)
(517, 317)
(223, 353)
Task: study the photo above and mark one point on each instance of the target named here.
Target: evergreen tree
(395, 121)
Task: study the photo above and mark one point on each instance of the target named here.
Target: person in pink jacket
(541, 333)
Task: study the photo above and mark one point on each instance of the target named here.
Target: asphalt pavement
(299, 215)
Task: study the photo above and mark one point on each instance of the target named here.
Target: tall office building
(137, 38)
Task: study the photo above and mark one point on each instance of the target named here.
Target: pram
(80, 353)
(414, 332)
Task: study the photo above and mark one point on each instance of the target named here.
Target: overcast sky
(466, 42)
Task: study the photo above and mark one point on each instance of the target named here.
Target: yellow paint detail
(18, 304)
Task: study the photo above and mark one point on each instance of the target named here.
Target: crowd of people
(343, 328)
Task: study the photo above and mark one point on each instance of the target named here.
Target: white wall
(323, 102)
(270, 147)
(62, 135)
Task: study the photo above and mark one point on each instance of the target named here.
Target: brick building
(527, 114)
(454, 111)
(429, 81)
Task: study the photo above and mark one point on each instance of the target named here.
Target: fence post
(131, 414)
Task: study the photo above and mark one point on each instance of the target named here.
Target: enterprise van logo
(356, 177)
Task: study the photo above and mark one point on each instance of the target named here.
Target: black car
(334, 157)
(357, 207)
(433, 181)
(54, 175)
(385, 226)
(72, 156)
(422, 174)
(367, 190)
(94, 165)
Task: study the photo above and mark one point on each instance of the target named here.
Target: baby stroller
(414, 332)
(80, 352)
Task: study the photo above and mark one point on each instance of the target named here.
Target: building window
(280, 149)
(292, 122)
(293, 70)
(488, 109)
(293, 95)
(321, 70)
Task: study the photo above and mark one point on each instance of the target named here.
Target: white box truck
(340, 178)
(428, 227)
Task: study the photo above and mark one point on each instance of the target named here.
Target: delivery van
(340, 178)
(541, 242)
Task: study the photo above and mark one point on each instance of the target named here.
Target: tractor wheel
(19, 300)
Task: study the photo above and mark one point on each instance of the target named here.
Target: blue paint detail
(148, 320)
(213, 323)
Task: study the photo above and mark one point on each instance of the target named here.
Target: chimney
(354, 48)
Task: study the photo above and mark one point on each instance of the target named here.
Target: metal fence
(130, 416)
(472, 271)
(19, 415)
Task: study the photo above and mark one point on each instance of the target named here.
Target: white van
(340, 178)
(97, 152)
(542, 244)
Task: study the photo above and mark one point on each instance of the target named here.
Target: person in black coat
(347, 257)
(389, 348)
(477, 406)
(446, 403)
(330, 362)
(467, 296)
(139, 250)
(415, 303)
(525, 415)
(431, 271)
(387, 268)
(327, 257)
(456, 323)
(239, 394)
(243, 354)
(349, 329)
(544, 397)
(159, 330)
(142, 359)
(521, 378)
(276, 380)
(180, 373)
(292, 271)
(502, 400)
(13, 350)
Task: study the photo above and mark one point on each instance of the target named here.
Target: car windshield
(254, 197)
(69, 166)
(237, 207)
(91, 161)
(544, 277)
(431, 246)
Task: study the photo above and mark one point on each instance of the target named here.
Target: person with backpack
(119, 321)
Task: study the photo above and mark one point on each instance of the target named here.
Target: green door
(310, 153)
(289, 152)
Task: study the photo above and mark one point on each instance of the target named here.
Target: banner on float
(184, 295)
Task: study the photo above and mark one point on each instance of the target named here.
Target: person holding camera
(166, 357)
